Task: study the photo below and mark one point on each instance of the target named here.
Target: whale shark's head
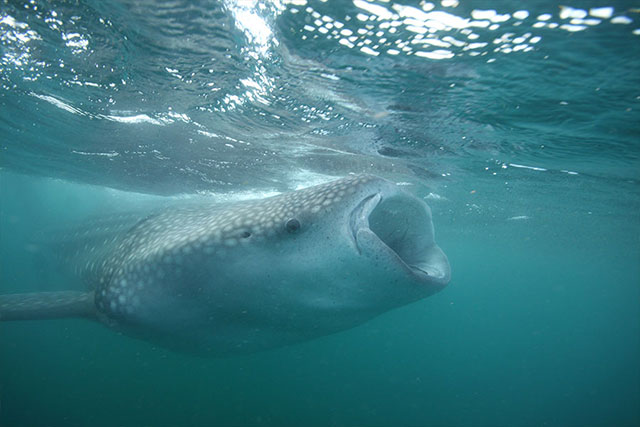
(261, 273)
(359, 242)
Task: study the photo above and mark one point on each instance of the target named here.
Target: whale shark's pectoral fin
(47, 305)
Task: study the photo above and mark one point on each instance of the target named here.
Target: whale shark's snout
(395, 227)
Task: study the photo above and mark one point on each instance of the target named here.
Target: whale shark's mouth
(399, 227)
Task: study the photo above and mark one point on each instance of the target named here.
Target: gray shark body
(223, 279)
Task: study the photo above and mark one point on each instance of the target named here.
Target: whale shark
(221, 279)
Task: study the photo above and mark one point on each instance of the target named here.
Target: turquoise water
(526, 149)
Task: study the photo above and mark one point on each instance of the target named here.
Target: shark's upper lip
(393, 234)
(360, 216)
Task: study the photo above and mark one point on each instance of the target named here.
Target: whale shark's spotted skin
(169, 238)
(224, 279)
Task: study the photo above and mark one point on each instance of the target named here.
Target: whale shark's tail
(46, 305)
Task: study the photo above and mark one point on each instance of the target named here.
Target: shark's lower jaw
(400, 226)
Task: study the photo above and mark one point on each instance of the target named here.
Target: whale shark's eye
(292, 225)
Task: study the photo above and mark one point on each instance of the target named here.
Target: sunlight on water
(431, 31)
(394, 28)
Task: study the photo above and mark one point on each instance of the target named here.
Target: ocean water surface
(519, 124)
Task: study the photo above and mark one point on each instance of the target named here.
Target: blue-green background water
(529, 157)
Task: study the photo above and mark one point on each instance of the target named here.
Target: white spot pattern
(161, 248)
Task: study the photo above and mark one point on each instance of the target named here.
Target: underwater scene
(319, 213)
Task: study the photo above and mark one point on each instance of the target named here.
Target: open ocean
(517, 122)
